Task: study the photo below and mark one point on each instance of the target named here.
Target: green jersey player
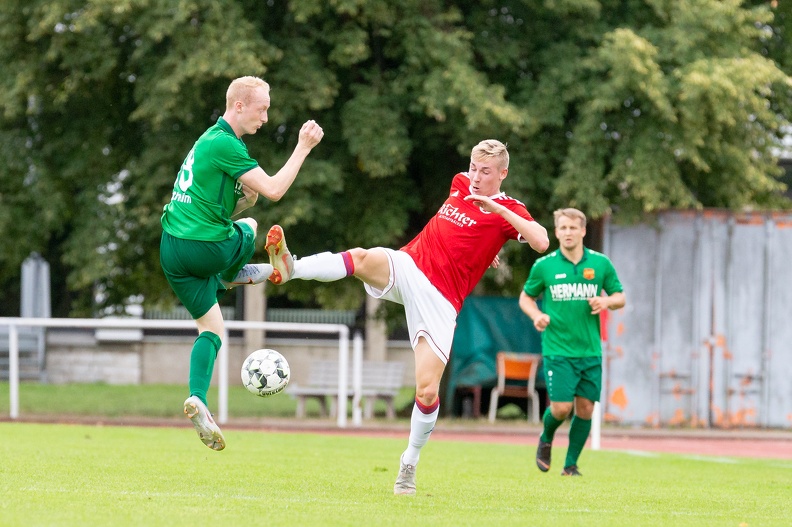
(575, 284)
(202, 251)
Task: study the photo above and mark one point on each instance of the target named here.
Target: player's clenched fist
(310, 134)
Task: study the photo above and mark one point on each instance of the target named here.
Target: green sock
(551, 424)
(202, 360)
(578, 434)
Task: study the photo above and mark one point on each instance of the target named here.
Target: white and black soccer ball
(265, 372)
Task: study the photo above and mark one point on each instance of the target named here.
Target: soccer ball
(265, 372)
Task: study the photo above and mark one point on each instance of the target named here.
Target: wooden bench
(380, 381)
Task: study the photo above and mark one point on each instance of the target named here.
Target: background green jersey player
(202, 251)
(575, 284)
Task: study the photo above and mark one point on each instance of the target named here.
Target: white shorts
(429, 314)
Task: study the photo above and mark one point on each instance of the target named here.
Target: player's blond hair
(242, 89)
(491, 149)
(569, 213)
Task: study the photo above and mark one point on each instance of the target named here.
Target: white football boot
(250, 274)
(405, 483)
(202, 420)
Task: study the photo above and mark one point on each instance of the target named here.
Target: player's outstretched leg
(280, 257)
(202, 420)
(405, 482)
(251, 274)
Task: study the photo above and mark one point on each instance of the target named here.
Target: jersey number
(186, 172)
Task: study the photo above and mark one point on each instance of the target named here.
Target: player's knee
(358, 255)
(249, 221)
(212, 322)
(561, 410)
(427, 395)
(362, 260)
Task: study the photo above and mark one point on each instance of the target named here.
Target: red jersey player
(431, 276)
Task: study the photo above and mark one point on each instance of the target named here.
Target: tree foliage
(619, 107)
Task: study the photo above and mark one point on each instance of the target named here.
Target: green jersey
(566, 288)
(207, 187)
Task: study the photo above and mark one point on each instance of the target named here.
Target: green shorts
(194, 268)
(567, 377)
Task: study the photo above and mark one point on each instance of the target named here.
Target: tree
(623, 107)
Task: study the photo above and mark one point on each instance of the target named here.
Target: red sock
(427, 409)
(348, 263)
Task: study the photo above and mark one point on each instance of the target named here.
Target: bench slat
(380, 380)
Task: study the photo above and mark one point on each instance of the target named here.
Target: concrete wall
(78, 356)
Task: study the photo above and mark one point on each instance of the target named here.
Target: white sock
(421, 426)
(323, 267)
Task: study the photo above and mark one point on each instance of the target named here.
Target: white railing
(129, 323)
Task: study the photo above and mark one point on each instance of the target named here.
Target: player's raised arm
(274, 187)
(531, 231)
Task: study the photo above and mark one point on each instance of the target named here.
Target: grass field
(105, 476)
(69, 475)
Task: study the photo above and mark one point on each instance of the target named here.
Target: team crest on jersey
(588, 273)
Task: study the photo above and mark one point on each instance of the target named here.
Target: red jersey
(460, 242)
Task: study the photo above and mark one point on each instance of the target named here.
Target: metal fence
(14, 325)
